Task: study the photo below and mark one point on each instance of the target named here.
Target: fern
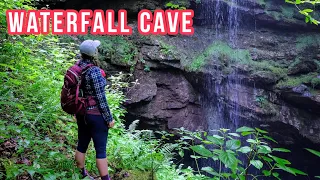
(65, 165)
(133, 126)
(167, 150)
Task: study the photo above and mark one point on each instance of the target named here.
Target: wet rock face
(133, 7)
(164, 99)
(251, 13)
(263, 78)
(169, 95)
(303, 67)
(301, 97)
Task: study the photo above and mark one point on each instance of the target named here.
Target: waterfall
(221, 101)
(223, 17)
(233, 22)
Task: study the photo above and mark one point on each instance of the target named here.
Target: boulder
(303, 67)
(301, 97)
(164, 99)
(264, 78)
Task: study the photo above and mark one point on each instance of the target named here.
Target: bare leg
(102, 165)
(80, 159)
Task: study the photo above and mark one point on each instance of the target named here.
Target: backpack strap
(83, 71)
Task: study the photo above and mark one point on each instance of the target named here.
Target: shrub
(225, 148)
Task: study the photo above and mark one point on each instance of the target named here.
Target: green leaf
(269, 138)
(317, 153)
(281, 150)
(19, 106)
(263, 149)
(317, 177)
(169, 4)
(181, 153)
(226, 175)
(7, 66)
(234, 134)
(246, 133)
(276, 175)
(266, 173)
(245, 149)
(228, 159)
(315, 22)
(31, 172)
(244, 129)
(252, 141)
(207, 142)
(256, 163)
(285, 168)
(216, 140)
(233, 144)
(307, 19)
(261, 131)
(211, 171)
(224, 130)
(200, 149)
(241, 177)
(298, 1)
(280, 160)
(186, 138)
(217, 136)
(307, 10)
(297, 171)
(195, 157)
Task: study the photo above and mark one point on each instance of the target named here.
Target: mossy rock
(303, 67)
(264, 77)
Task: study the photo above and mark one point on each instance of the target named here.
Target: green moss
(315, 82)
(261, 2)
(305, 41)
(289, 82)
(296, 61)
(276, 15)
(166, 48)
(287, 12)
(224, 54)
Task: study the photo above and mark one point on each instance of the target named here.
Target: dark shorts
(93, 126)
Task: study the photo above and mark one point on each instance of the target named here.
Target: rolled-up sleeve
(99, 84)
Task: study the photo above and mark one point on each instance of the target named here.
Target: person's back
(97, 119)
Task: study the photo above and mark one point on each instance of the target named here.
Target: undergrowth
(32, 69)
(117, 49)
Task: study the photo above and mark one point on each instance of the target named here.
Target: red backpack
(71, 103)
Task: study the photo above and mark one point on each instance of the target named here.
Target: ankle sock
(106, 177)
(84, 172)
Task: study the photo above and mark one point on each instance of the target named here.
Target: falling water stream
(221, 104)
(218, 114)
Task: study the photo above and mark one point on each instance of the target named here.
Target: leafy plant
(226, 147)
(261, 100)
(307, 12)
(175, 6)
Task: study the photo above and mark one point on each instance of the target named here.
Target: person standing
(98, 119)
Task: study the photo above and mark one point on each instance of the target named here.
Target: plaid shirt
(94, 85)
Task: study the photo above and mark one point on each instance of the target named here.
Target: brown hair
(92, 59)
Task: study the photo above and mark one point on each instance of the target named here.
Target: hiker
(97, 119)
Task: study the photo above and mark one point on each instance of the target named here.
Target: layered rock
(249, 94)
(269, 75)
